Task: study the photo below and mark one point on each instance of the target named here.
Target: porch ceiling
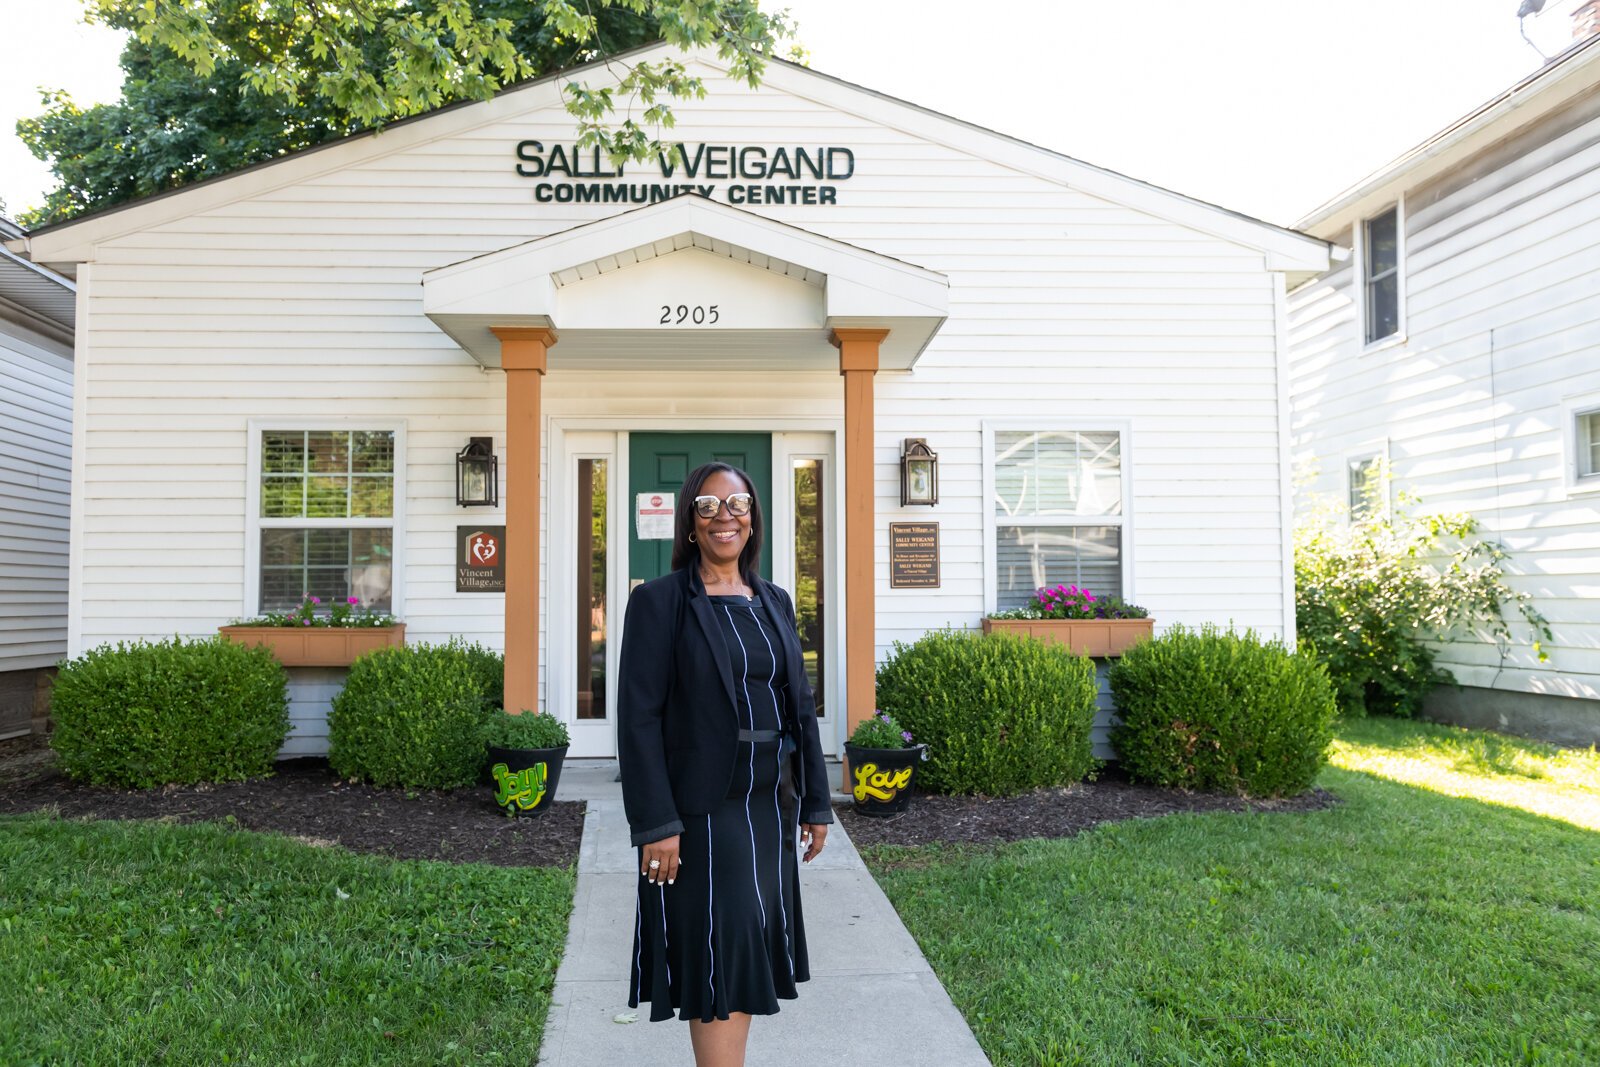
(778, 290)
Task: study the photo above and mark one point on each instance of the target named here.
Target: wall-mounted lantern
(478, 474)
(919, 473)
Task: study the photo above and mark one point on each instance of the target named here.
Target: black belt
(760, 735)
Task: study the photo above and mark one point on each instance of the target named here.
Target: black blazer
(677, 727)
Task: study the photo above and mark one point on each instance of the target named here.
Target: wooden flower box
(1086, 637)
(318, 646)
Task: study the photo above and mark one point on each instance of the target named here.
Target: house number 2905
(699, 314)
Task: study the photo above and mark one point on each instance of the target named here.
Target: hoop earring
(691, 539)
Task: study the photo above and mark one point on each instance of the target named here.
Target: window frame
(1372, 450)
(1359, 260)
(991, 524)
(1572, 409)
(254, 523)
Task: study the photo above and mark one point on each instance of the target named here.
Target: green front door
(658, 464)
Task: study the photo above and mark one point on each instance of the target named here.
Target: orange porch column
(858, 362)
(524, 354)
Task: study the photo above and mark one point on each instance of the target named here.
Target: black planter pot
(882, 778)
(524, 779)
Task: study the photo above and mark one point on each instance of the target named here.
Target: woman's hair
(685, 551)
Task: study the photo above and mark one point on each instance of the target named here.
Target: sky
(1269, 107)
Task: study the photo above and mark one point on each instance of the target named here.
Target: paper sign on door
(653, 516)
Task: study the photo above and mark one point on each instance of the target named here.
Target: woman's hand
(813, 835)
(665, 852)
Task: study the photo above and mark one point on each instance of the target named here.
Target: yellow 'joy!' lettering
(525, 788)
(880, 785)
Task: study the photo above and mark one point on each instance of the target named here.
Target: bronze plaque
(913, 555)
(480, 559)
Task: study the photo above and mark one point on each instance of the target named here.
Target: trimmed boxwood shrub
(1000, 714)
(143, 714)
(411, 716)
(1212, 710)
(489, 668)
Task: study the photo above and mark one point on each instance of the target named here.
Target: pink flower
(305, 622)
(316, 600)
(352, 600)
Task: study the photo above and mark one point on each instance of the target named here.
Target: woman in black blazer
(722, 773)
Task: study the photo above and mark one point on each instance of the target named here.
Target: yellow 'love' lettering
(880, 785)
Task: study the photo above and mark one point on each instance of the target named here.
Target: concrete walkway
(871, 990)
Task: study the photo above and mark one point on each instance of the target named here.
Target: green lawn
(1563, 783)
(1402, 927)
(145, 943)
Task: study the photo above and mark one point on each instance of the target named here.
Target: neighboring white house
(279, 367)
(1460, 341)
(36, 318)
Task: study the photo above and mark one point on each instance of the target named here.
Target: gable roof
(1547, 90)
(34, 295)
(522, 285)
(72, 241)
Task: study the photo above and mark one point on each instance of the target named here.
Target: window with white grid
(1058, 512)
(326, 506)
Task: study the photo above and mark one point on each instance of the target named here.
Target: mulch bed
(305, 800)
(1049, 812)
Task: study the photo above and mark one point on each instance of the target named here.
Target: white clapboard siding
(304, 302)
(35, 496)
(1502, 269)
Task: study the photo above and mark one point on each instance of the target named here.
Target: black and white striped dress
(727, 935)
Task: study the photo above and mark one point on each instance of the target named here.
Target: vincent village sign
(755, 174)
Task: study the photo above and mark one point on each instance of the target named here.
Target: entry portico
(702, 288)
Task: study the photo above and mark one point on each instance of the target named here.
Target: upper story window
(1058, 512)
(327, 517)
(1380, 275)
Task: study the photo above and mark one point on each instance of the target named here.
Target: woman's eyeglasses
(708, 506)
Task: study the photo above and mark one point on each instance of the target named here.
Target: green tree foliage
(1374, 594)
(214, 85)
